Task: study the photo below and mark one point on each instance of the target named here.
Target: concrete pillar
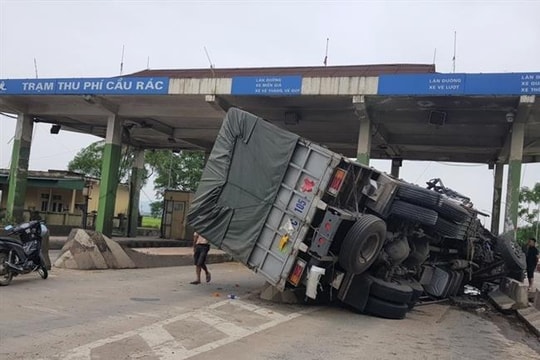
(72, 204)
(364, 141)
(364, 134)
(497, 196)
(136, 181)
(109, 175)
(18, 173)
(514, 178)
(396, 164)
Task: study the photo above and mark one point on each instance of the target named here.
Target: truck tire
(414, 212)
(454, 212)
(362, 244)
(385, 309)
(390, 291)
(418, 195)
(518, 275)
(513, 256)
(450, 229)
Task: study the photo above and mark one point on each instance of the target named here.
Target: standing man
(532, 260)
(200, 251)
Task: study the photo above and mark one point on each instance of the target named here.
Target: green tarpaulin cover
(240, 182)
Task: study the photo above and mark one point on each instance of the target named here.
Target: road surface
(156, 314)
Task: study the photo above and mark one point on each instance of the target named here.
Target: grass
(151, 222)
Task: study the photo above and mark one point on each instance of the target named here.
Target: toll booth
(174, 219)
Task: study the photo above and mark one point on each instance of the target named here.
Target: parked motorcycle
(22, 256)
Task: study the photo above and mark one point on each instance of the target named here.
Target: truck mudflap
(354, 290)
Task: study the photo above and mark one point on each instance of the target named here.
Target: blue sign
(460, 84)
(86, 86)
(267, 85)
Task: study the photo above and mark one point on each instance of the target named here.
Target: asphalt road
(157, 314)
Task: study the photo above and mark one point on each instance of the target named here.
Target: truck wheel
(418, 195)
(390, 291)
(414, 212)
(513, 256)
(385, 309)
(362, 244)
(518, 275)
(454, 212)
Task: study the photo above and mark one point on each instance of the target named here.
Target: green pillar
(19, 167)
(514, 178)
(136, 179)
(364, 141)
(497, 195)
(109, 175)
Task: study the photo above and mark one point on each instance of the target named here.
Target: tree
(88, 161)
(178, 171)
(156, 208)
(529, 212)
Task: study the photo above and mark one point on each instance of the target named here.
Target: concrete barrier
(289, 296)
(536, 301)
(89, 250)
(531, 315)
(510, 295)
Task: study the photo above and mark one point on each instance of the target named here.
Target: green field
(151, 222)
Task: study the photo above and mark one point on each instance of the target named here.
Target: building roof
(305, 71)
(60, 179)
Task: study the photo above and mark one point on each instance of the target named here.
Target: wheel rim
(369, 248)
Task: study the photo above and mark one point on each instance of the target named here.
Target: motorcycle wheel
(42, 271)
(5, 273)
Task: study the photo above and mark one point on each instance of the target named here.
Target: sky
(85, 39)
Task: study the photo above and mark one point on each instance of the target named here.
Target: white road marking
(165, 346)
(43, 309)
(147, 315)
(231, 339)
(156, 336)
(258, 310)
(220, 324)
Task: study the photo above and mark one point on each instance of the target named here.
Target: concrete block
(531, 317)
(66, 261)
(82, 237)
(123, 261)
(536, 301)
(519, 294)
(270, 293)
(501, 300)
(515, 290)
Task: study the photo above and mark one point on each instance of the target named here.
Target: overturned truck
(313, 221)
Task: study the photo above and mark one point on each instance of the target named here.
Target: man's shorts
(199, 255)
(530, 271)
